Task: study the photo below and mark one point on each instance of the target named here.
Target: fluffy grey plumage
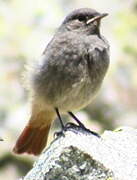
(74, 63)
(67, 77)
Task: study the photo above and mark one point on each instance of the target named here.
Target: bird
(66, 78)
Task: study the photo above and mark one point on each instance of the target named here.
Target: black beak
(97, 18)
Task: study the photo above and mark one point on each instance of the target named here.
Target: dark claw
(70, 125)
(58, 134)
(67, 126)
(94, 133)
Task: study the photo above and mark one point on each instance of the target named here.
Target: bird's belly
(75, 102)
(75, 97)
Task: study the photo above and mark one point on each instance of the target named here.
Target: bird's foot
(72, 126)
(76, 128)
(80, 125)
(92, 132)
(59, 134)
(66, 127)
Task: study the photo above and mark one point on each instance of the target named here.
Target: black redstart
(67, 77)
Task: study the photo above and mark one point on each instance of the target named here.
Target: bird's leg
(76, 119)
(61, 122)
(59, 117)
(81, 125)
(71, 125)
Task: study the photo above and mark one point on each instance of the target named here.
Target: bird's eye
(82, 18)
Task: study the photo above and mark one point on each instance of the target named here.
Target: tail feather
(34, 136)
(32, 140)
(40, 141)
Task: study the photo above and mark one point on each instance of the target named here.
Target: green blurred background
(26, 26)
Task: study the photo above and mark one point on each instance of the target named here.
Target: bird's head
(84, 20)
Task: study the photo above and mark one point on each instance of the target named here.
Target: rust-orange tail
(33, 139)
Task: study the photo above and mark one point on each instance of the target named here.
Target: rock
(81, 155)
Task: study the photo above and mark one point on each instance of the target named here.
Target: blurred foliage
(21, 164)
(25, 29)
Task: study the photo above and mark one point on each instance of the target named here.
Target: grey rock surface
(80, 155)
